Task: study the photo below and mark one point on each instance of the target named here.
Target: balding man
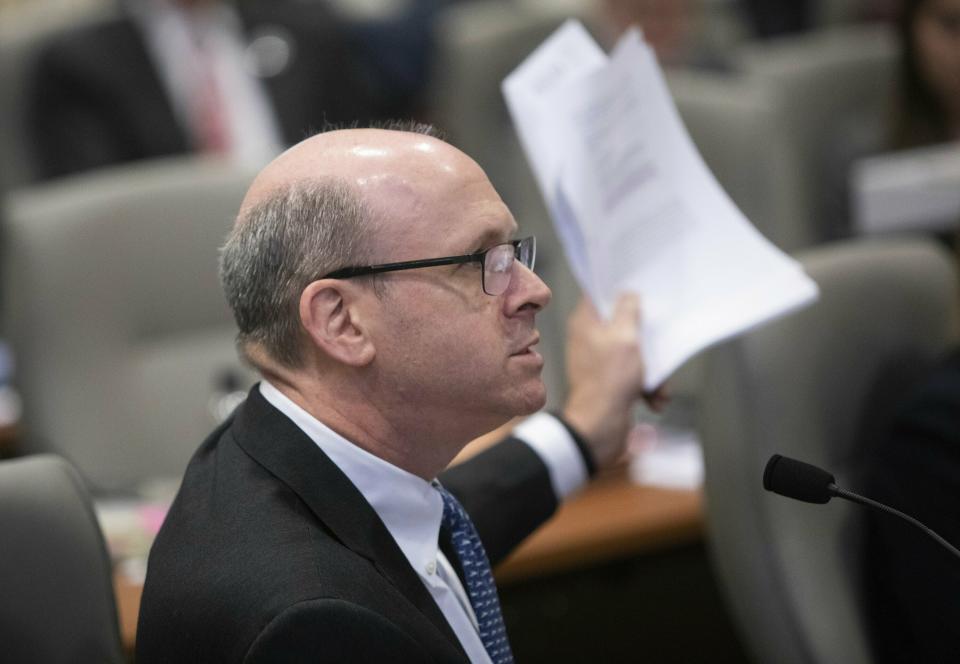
(379, 289)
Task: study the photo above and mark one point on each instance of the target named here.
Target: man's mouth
(528, 348)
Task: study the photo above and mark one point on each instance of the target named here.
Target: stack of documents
(634, 204)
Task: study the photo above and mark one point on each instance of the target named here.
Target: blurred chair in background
(737, 130)
(816, 82)
(123, 339)
(165, 77)
(57, 604)
(806, 386)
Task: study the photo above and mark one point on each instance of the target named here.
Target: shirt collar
(409, 506)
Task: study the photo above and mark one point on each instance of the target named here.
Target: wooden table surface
(610, 519)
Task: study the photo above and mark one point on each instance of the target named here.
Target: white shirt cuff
(552, 442)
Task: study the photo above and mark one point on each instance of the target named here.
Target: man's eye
(466, 265)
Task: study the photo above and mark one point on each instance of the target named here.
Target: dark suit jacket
(912, 583)
(270, 554)
(96, 98)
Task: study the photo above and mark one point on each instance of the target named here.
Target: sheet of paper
(912, 190)
(625, 182)
(568, 53)
(674, 461)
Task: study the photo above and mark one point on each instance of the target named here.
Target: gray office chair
(56, 604)
(818, 83)
(736, 127)
(807, 387)
(116, 316)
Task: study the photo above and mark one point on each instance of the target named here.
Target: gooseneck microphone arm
(863, 500)
(802, 481)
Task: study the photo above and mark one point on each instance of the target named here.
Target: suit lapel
(155, 126)
(281, 447)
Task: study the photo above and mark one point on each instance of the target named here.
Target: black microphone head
(796, 479)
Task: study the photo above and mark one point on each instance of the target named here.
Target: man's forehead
(460, 223)
(424, 194)
(370, 159)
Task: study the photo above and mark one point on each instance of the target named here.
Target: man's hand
(605, 372)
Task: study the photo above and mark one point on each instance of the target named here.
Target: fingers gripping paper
(634, 204)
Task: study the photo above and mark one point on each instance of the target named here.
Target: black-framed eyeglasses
(497, 263)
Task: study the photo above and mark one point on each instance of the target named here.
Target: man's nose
(527, 290)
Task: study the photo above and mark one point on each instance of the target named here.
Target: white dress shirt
(412, 509)
(172, 35)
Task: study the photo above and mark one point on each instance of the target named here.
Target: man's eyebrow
(491, 237)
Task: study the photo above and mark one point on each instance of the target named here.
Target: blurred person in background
(239, 79)
(924, 111)
(683, 33)
(912, 583)
(927, 110)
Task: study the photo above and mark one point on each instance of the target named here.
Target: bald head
(392, 172)
(336, 199)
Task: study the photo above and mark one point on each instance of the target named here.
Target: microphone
(799, 480)
(803, 481)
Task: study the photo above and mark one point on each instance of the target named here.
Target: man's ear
(332, 320)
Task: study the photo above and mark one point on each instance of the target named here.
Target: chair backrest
(23, 32)
(805, 386)
(57, 605)
(117, 319)
(735, 126)
(820, 83)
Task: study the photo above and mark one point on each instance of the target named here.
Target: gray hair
(299, 233)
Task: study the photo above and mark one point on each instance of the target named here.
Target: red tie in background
(209, 110)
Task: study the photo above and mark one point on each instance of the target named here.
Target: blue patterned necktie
(479, 578)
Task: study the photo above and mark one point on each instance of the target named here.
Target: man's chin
(531, 399)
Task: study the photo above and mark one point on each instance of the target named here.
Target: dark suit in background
(97, 98)
(307, 570)
(913, 583)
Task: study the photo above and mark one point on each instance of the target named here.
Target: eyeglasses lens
(527, 252)
(497, 269)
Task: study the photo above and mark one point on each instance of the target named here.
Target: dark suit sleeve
(95, 99)
(332, 630)
(65, 118)
(506, 490)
